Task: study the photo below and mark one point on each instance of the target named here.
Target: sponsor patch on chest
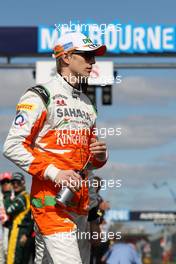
(73, 112)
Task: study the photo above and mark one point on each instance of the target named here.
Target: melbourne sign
(118, 38)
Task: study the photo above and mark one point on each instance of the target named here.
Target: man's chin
(85, 73)
(88, 74)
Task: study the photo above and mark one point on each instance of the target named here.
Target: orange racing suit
(45, 139)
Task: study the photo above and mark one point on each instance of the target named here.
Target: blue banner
(118, 38)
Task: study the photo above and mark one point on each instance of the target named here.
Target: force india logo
(71, 112)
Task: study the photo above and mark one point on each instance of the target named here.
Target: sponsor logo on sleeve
(25, 106)
(20, 120)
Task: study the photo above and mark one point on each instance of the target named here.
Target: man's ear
(66, 57)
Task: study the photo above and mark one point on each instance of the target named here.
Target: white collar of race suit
(68, 87)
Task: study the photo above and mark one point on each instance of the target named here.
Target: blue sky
(51, 12)
(143, 104)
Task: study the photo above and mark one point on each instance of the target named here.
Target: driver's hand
(69, 178)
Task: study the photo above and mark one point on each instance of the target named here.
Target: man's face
(81, 63)
(6, 185)
(18, 186)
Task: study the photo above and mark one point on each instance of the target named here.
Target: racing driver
(52, 138)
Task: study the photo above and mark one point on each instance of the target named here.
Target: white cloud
(141, 132)
(13, 85)
(137, 90)
(5, 121)
(137, 191)
(133, 175)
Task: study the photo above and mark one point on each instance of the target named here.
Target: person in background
(122, 252)
(21, 225)
(6, 187)
(8, 195)
(99, 246)
(2, 219)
